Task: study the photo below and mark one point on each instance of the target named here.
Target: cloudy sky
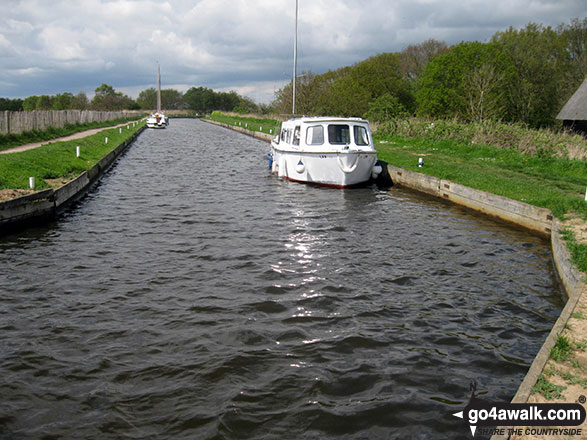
(56, 46)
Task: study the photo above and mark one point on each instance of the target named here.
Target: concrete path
(79, 135)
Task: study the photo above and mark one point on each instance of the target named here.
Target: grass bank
(58, 161)
(8, 141)
(251, 122)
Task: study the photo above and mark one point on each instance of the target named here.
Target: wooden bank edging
(48, 203)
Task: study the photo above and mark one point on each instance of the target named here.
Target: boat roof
(315, 119)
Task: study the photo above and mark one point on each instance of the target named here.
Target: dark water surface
(192, 295)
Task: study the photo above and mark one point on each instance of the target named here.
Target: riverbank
(572, 321)
(78, 135)
(60, 176)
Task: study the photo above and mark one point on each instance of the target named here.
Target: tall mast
(158, 88)
(295, 66)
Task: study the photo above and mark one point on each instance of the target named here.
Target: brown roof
(576, 108)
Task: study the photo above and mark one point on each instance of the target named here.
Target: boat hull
(340, 169)
(155, 125)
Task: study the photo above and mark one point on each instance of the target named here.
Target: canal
(192, 295)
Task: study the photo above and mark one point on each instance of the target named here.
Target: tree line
(523, 75)
(106, 98)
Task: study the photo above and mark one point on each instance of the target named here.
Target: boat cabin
(325, 132)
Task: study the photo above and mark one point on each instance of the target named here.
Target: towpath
(79, 135)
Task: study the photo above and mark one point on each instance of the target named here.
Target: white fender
(300, 167)
(346, 169)
(282, 172)
(376, 171)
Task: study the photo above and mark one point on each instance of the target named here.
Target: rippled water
(192, 295)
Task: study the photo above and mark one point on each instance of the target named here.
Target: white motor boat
(328, 151)
(335, 152)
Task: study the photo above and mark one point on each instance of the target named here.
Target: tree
(483, 90)
(80, 101)
(416, 57)
(63, 101)
(172, 99)
(384, 108)
(446, 86)
(353, 88)
(147, 99)
(14, 105)
(538, 57)
(29, 104)
(44, 102)
(107, 99)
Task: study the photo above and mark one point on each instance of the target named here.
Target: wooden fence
(18, 122)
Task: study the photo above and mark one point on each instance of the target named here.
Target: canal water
(192, 295)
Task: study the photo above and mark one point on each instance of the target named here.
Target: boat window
(296, 136)
(315, 135)
(361, 137)
(339, 134)
(283, 131)
(288, 136)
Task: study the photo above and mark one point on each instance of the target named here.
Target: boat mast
(158, 88)
(295, 66)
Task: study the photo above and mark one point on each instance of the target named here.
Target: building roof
(576, 108)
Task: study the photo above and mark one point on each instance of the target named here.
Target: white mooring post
(31, 182)
(105, 140)
(77, 151)
(120, 130)
(420, 162)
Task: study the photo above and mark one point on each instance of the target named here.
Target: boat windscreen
(315, 135)
(361, 136)
(339, 134)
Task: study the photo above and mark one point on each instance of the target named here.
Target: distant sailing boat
(327, 151)
(158, 119)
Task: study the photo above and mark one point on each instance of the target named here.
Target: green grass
(58, 160)
(555, 183)
(578, 250)
(8, 141)
(263, 125)
(547, 389)
(562, 349)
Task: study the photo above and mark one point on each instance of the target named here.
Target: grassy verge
(58, 160)
(541, 180)
(578, 250)
(262, 125)
(14, 140)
